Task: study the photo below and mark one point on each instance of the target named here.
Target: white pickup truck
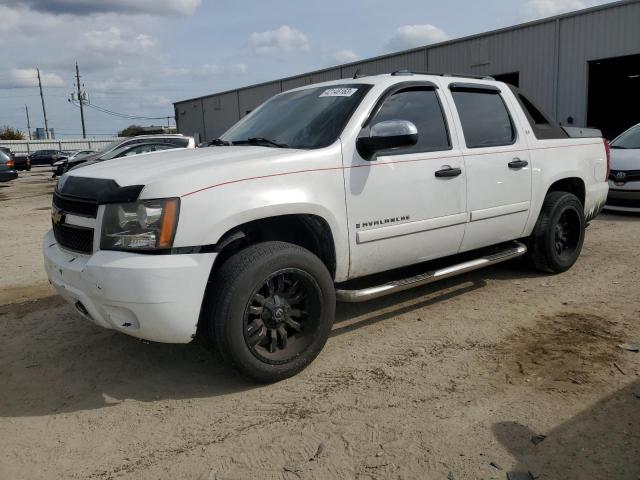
(251, 241)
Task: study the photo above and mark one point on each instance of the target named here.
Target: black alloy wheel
(270, 309)
(282, 316)
(556, 241)
(567, 234)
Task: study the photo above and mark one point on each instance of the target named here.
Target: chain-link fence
(29, 146)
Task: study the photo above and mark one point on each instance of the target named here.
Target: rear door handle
(517, 163)
(448, 172)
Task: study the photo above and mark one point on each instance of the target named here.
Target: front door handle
(517, 163)
(448, 172)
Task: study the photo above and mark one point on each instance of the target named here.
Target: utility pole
(44, 110)
(26, 109)
(80, 99)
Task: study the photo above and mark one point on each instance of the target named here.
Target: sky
(136, 57)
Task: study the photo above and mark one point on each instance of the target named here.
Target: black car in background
(72, 158)
(43, 157)
(22, 162)
(7, 167)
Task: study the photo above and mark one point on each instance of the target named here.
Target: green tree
(131, 131)
(8, 133)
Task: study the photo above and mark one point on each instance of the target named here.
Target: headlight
(143, 225)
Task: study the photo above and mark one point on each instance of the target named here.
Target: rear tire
(273, 306)
(557, 238)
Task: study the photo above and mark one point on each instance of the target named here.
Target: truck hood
(180, 171)
(623, 159)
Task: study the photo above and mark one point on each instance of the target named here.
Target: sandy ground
(450, 381)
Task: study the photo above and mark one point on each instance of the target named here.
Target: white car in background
(624, 179)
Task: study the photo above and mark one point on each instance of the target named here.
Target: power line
(87, 103)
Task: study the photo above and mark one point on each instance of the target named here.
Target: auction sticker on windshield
(339, 92)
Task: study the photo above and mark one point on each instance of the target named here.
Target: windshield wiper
(261, 141)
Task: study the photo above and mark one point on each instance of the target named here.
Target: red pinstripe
(370, 165)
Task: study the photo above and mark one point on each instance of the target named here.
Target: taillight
(608, 150)
(10, 164)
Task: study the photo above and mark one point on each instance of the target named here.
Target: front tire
(273, 309)
(557, 238)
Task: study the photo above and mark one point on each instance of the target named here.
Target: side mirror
(386, 135)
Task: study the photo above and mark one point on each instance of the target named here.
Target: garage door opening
(614, 94)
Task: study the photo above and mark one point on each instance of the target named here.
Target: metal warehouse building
(583, 68)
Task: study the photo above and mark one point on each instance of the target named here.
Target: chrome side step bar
(515, 250)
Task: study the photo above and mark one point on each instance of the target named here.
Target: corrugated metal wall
(216, 110)
(415, 61)
(592, 36)
(551, 57)
(189, 119)
(529, 51)
(250, 98)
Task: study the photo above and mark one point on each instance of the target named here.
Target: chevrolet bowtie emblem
(57, 216)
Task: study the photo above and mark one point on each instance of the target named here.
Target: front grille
(631, 175)
(86, 208)
(74, 238)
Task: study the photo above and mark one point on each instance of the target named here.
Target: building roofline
(430, 46)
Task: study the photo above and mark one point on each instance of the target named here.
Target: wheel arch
(575, 185)
(306, 230)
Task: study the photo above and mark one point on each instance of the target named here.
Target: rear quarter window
(543, 127)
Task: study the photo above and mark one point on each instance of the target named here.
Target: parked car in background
(624, 179)
(43, 157)
(22, 162)
(134, 146)
(7, 167)
(60, 165)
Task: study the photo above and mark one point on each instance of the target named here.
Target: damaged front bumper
(153, 297)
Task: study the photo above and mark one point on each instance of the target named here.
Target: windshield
(310, 118)
(629, 139)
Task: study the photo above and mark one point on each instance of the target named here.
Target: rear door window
(484, 116)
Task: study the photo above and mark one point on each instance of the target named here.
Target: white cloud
(534, 9)
(113, 40)
(283, 39)
(345, 56)
(213, 70)
(410, 36)
(87, 7)
(28, 77)
(10, 19)
(21, 20)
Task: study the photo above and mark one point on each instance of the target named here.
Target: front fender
(207, 215)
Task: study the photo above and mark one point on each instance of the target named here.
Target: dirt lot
(451, 381)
